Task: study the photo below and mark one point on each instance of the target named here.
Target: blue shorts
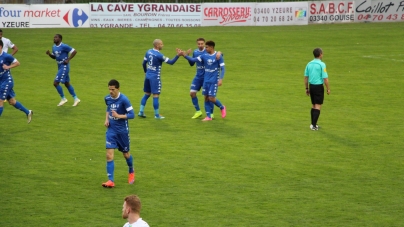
(209, 89)
(6, 89)
(152, 85)
(120, 141)
(63, 73)
(196, 85)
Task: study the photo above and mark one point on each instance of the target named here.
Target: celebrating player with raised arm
(212, 78)
(152, 63)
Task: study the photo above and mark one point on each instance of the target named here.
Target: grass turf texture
(261, 166)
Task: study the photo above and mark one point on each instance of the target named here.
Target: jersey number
(151, 60)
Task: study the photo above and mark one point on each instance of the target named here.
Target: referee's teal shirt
(316, 71)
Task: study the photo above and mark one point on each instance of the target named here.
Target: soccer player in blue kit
(152, 64)
(212, 78)
(7, 83)
(197, 82)
(119, 110)
(60, 52)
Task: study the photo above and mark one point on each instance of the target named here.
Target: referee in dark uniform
(315, 76)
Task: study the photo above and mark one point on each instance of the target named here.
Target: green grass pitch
(261, 166)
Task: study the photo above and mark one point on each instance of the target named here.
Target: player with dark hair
(7, 83)
(315, 75)
(131, 211)
(60, 52)
(152, 63)
(197, 82)
(213, 77)
(8, 44)
(119, 110)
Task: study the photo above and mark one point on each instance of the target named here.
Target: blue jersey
(6, 59)
(120, 105)
(200, 68)
(61, 52)
(154, 60)
(212, 67)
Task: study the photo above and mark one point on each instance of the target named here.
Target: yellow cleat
(197, 114)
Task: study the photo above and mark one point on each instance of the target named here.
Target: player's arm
(324, 75)
(13, 64)
(306, 83)
(218, 55)
(106, 124)
(193, 55)
(172, 61)
(15, 49)
(327, 85)
(193, 59)
(222, 71)
(50, 54)
(144, 64)
(73, 53)
(130, 114)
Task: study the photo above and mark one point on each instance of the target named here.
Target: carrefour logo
(75, 18)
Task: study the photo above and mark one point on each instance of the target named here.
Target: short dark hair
(210, 43)
(60, 36)
(1, 30)
(200, 39)
(317, 52)
(134, 203)
(113, 82)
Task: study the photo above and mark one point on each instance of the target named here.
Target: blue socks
(208, 108)
(196, 104)
(129, 161)
(218, 104)
(60, 91)
(71, 91)
(110, 170)
(156, 106)
(143, 102)
(19, 106)
(111, 167)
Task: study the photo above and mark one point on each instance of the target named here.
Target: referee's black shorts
(316, 93)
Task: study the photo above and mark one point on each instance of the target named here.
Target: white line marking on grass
(382, 57)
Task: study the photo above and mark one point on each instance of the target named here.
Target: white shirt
(138, 223)
(7, 44)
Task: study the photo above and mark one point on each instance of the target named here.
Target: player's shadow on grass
(344, 140)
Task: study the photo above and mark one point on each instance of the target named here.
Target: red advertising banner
(227, 14)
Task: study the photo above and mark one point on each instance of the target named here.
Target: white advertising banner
(288, 13)
(44, 16)
(379, 11)
(331, 12)
(12, 16)
(227, 14)
(139, 15)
